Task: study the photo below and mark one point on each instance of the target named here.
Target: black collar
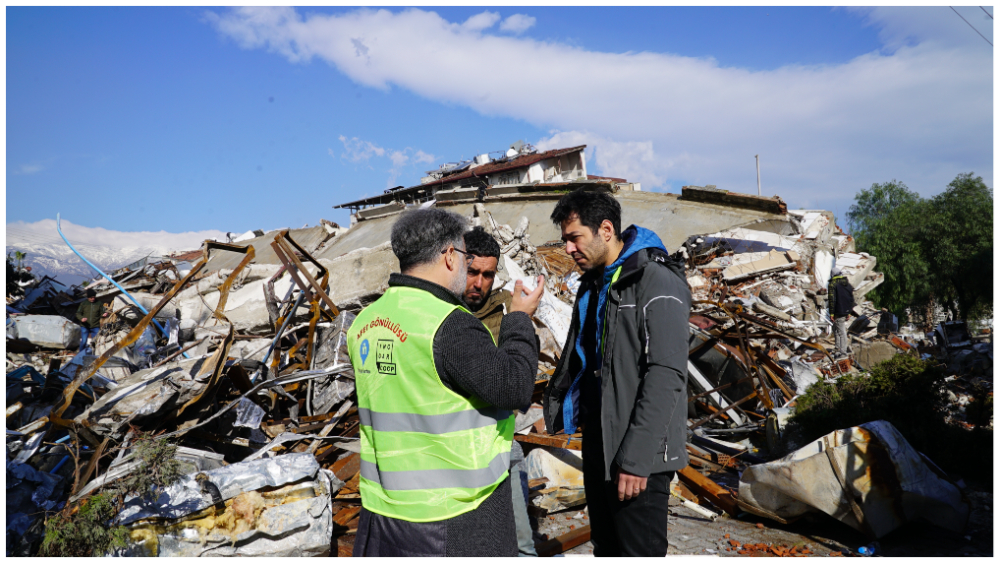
(438, 291)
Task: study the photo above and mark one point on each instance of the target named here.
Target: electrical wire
(987, 13)
(970, 25)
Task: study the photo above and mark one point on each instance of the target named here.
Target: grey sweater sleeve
(470, 364)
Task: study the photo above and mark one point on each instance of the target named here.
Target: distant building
(521, 164)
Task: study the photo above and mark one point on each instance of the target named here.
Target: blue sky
(189, 119)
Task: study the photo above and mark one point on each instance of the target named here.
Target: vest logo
(383, 357)
(364, 351)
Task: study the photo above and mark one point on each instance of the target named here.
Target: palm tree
(20, 257)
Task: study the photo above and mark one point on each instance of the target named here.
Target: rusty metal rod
(722, 387)
(286, 242)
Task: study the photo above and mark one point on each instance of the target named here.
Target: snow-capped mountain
(47, 254)
(59, 261)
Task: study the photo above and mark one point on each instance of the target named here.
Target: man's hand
(525, 302)
(84, 320)
(629, 485)
(105, 314)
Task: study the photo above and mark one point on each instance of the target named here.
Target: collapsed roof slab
(309, 237)
(672, 218)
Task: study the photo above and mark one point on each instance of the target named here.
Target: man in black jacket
(89, 315)
(840, 303)
(432, 257)
(623, 374)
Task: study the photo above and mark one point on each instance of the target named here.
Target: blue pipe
(60, 465)
(117, 285)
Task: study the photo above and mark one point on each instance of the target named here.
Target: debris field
(237, 354)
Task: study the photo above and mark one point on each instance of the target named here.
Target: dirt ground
(691, 534)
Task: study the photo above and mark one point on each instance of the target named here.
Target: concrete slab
(673, 219)
(310, 238)
(360, 277)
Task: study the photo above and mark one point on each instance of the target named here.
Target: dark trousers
(635, 527)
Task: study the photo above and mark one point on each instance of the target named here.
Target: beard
(474, 305)
(595, 253)
(457, 285)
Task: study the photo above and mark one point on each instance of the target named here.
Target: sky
(191, 119)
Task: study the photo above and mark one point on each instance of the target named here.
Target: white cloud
(921, 113)
(398, 158)
(357, 150)
(481, 21)
(635, 161)
(938, 25)
(518, 23)
(422, 157)
(29, 169)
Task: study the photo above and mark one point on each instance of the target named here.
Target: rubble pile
(248, 392)
(237, 354)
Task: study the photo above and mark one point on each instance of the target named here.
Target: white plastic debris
(273, 507)
(886, 483)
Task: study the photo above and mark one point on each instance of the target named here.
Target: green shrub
(86, 533)
(91, 531)
(904, 391)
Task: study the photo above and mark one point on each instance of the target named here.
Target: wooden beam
(345, 515)
(563, 543)
(701, 422)
(347, 467)
(702, 486)
(571, 442)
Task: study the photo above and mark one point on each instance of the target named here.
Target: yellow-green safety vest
(427, 453)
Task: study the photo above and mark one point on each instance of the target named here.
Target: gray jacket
(644, 373)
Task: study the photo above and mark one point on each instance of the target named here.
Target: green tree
(885, 222)
(958, 243)
(938, 249)
(20, 258)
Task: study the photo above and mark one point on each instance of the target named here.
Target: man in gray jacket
(622, 375)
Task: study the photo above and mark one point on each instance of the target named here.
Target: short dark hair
(419, 236)
(480, 243)
(91, 293)
(592, 208)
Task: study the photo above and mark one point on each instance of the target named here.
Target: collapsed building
(237, 354)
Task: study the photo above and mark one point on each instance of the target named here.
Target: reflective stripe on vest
(432, 424)
(427, 453)
(431, 479)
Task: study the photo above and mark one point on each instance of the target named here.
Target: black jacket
(644, 372)
(840, 296)
(91, 312)
(470, 364)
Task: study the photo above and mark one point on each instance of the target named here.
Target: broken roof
(494, 167)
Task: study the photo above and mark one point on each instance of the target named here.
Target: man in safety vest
(490, 306)
(435, 394)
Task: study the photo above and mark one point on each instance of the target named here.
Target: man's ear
(449, 260)
(607, 230)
